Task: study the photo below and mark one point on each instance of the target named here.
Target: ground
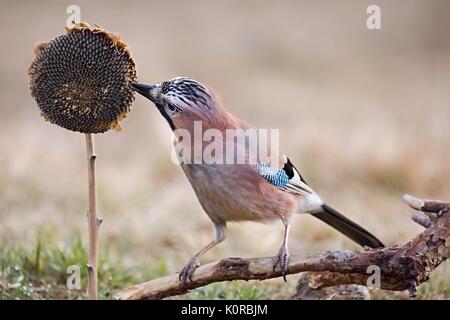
(41, 273)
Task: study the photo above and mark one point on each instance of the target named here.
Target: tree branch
(401, 266)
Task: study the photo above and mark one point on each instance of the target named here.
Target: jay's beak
(151, 92)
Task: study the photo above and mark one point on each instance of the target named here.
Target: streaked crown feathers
(188, 91)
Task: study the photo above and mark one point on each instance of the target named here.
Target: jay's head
(182, 101)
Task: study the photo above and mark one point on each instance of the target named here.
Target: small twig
(414, 202)
(93, 222)
(421, 219)
(402, 267)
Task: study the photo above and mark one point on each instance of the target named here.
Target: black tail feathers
(348, 227)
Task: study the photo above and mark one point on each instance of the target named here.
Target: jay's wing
(290, 180)
(287, 178)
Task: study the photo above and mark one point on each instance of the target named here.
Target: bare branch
(403, 267)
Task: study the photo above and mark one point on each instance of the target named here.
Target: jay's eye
(173, 110)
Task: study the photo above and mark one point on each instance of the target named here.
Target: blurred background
(364, 114)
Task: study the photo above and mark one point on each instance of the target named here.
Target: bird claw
(187, 271)
(282, 259)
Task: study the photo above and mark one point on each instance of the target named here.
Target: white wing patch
(295, 185)
(289, 180)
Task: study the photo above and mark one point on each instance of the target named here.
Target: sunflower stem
(93, 221)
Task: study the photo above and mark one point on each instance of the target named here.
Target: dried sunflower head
(82, 80)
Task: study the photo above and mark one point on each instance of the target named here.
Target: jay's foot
(188, 270)
(282, 259)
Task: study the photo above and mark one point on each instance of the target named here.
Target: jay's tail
(347, 227)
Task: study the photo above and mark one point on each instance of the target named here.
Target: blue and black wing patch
(286, 178)
(278, 177)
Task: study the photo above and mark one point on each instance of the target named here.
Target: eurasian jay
(250, 191)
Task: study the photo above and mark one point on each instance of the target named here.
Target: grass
(42, 273)
(230, 291)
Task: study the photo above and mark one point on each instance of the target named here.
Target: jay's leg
(189, 268)
(282, 257)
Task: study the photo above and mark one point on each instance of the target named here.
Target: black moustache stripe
(165, 115)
